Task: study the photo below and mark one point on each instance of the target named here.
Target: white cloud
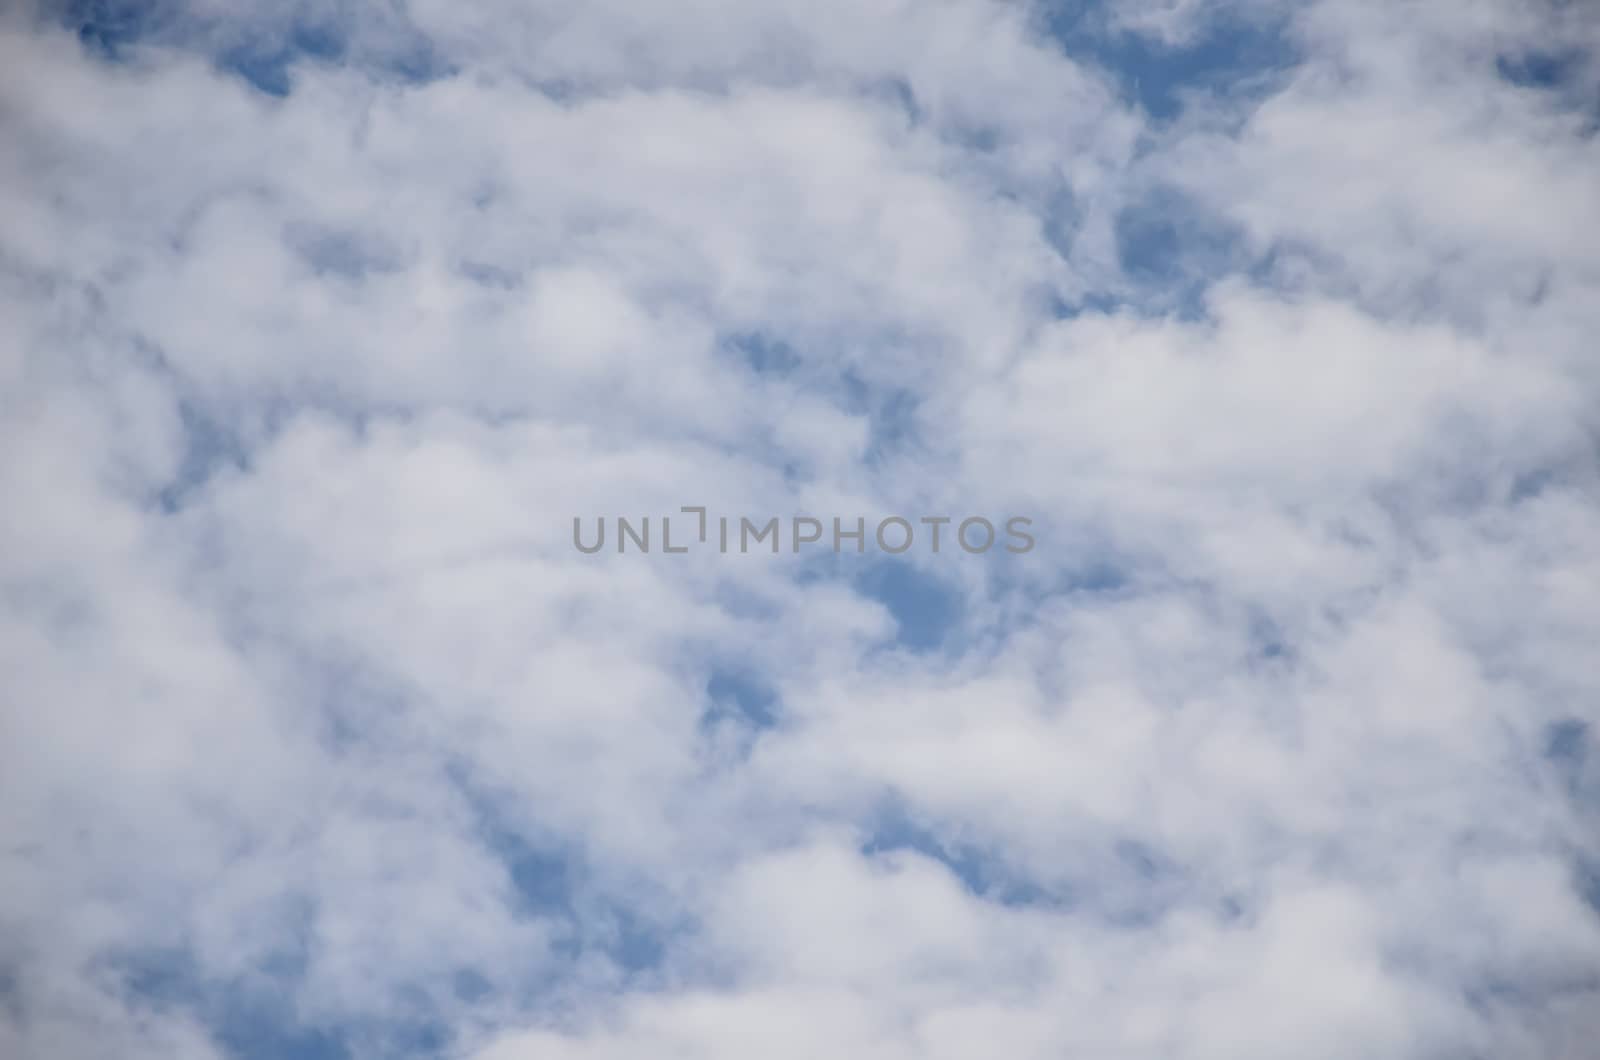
(316, 724)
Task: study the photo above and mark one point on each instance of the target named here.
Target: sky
(321, 321)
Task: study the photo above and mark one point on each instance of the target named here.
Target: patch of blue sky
(1569, 752)
(635, 943)
(1077, 567)
(1540, 69)
(108, 26)
(266, 64)
(890, 410)
(208, 447)
(1269, 641)
(1124, 881)
(896, 92)
(249, 1032)
(1170, 249)
(893, 427)
(246, 42)
(1587, 881)
(255, 1018)
(223, 439)
(895, 829)
(270, 67)
(1567, 742)
(552, 880)
(927, 608)
(1173, 250)
(1230, 54)
(765, 354)
(740, 693)
(1569, 74)
(347, 254)
(1061, 220)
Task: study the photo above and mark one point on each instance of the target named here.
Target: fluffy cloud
(322, 322)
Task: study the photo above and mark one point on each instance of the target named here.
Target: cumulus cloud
(321, 322)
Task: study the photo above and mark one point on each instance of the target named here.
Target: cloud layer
(320, 322)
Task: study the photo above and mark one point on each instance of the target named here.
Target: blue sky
(322, 321)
